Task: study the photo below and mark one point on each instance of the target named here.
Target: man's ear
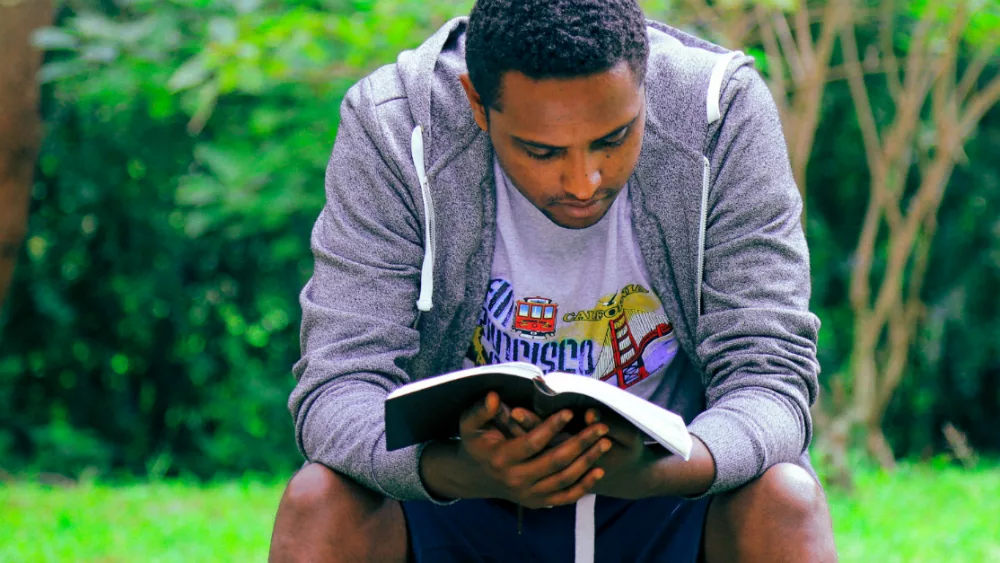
(475, 102)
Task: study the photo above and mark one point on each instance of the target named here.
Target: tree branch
(840, 72)
(916, 57)
(833, 17)
(859, 92)
(775, 62)
(887, 32)
(984, 55)
(978, 106)
(804, 39)
(926, 201)
(788, 45)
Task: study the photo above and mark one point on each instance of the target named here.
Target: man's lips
(581, 204)
(582, 209)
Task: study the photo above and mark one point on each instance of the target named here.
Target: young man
(630, 185)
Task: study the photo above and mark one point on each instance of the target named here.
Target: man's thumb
(482, 412)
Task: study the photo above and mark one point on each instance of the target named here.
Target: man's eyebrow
(554, 147)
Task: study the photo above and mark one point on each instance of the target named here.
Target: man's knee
(326, 516)
(791, 494)
(786, 496)
(316, 488)
(781, 516)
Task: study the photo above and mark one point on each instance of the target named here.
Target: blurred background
(161, 165)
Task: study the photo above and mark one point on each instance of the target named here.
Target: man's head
(558, 84)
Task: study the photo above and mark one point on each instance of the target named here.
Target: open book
(430, 409)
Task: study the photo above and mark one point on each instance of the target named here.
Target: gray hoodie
(410, 215)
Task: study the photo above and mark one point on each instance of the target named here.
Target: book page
(520, 369)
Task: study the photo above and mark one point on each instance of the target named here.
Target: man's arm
(358, 311)
(756, 337)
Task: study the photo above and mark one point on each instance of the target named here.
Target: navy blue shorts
(664, 529)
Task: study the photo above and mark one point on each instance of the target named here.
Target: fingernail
(567, 416)
(602, 431)
(599, 474)
(518, 416)
(605, 446)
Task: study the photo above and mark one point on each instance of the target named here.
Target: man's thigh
(649, 530)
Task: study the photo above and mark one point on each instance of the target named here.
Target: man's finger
(532, 443)
(619, 429)
(574, 471)
(577, 491)
(558, 457)
(507, 424)
(480, 414)
(527, 419)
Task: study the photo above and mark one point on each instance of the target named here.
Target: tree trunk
(879, 448)
(20, 124)
(833, 441)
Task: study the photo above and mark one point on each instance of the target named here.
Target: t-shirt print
(574, 300)
(623, 338)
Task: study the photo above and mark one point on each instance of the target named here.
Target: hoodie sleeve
(756, 336)
(358, 312)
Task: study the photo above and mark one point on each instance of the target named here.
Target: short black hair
(552, 39)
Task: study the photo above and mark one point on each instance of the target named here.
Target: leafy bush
(154, 316)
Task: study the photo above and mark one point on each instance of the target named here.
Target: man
(630, 185)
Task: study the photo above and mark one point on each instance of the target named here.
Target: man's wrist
(444, 472)
(670, 475)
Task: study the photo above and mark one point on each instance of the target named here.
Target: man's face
(568, 145)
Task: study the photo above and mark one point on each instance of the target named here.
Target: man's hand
(628, 465)
(528, 469)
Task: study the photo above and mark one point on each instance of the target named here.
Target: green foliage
(154, 319)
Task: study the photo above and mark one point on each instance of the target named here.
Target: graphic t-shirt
(574, 300)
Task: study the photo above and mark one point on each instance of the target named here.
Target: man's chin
(569, 217)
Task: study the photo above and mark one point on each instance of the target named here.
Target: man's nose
(582, 177)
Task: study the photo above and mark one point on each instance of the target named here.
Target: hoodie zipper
(702, 225)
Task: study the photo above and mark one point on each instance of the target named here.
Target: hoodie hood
(430, 76)
(443, 123)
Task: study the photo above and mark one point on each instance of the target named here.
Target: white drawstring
(715, 85)
(425, 300)
(706, 179)
(586, 531)
(712, 102)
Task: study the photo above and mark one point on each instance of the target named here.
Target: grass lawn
(920, 514)
(916, 514)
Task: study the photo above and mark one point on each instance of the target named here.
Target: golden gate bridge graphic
(621, 356)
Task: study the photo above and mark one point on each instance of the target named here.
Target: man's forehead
(564, 111)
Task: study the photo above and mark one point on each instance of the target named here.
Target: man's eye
(540, 155)
(617, 139)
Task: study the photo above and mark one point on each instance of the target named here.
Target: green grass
(920, 514)
(155, 523)
(917, 514)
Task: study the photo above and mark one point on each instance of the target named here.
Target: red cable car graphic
(535, 317)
